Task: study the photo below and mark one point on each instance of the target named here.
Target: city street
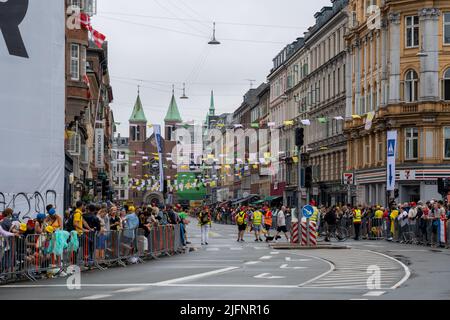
(226, 270)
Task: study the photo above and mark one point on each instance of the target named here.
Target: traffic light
(308, 177)
(443, 186)
(299, 137)
(396, 193)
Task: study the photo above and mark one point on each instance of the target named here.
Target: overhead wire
(192, 34)
(176, 16)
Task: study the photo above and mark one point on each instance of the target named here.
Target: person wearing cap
(53, 219)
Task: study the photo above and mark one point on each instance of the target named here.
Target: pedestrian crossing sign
(391, 148)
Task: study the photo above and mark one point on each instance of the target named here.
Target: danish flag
(98, 38)
(85, 21)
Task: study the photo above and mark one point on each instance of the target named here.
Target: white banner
(99, 148)
(158, 138)
(390, 167)
(32, 100)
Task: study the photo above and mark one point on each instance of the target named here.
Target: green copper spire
(138, 114)
(212, 109)
(173, 114)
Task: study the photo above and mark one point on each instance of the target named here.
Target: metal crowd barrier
(36, 256)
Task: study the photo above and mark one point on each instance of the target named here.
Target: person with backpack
(241, 221)
(204, 219)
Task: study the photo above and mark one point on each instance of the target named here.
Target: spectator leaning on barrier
(54, 220)
(6, 223)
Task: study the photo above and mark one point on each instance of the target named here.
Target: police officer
(357, 221)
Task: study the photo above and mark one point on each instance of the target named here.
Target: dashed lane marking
(252, 262)
(196, 276)
(374, 293)
(96, 297)
(130, 290)
(266, 257)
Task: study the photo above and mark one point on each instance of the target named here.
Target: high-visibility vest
(315, 214)
(268, 218)
(257, 218)
(357, 216)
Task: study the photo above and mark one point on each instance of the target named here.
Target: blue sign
(307, 211)
(391, 148)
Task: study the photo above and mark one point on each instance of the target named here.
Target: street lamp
(214, 40)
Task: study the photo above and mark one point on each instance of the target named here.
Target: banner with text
(99, 148)
(32, 99)
(391, 152)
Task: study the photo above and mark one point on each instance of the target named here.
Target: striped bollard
(304, 234)
(294, 235)
(313, 233)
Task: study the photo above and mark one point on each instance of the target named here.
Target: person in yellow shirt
(79, 224)
(378, 220)
(393, 217)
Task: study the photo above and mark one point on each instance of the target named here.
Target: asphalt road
(228, 270)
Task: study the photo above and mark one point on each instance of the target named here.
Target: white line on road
(212, 249)
(265, 257)
(252, 262)
(267, 276)
(275, 252)
(296, 260)
(286, 266)
(374, 293)
(96, 297)
(236, 249)
(129, 290)
(195, 276)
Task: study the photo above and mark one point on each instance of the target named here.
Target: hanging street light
(214, 40)
(184, 92)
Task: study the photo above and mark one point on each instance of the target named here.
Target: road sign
(307, 211)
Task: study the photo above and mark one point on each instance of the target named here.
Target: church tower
(172, 119)
(138, 136)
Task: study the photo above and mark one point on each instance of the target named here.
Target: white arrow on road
(296, 260)
(267, 276)
(285, 266)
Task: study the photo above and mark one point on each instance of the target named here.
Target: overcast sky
(165, 41)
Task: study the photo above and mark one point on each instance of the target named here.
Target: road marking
(267, 276)
(128, 290)
(296, 260)
(374, 293)
(260, 248)
(252, 262)
(407, 272)
(212, 249)
(96, 297)
(285, 266)
(195, 276)
(236, 248)
(274, 252)
(265, 257)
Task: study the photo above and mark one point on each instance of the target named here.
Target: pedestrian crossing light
(299, 137)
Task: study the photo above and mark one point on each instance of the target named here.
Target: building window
(447, 142)
(411, 86)
(75, 61)
(122, 194)
(411, 143)
(446, 28)
(412, 31)
(446, 86)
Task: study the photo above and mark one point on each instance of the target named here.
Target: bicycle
(340, 233)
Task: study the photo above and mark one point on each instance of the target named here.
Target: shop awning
(272, 198)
